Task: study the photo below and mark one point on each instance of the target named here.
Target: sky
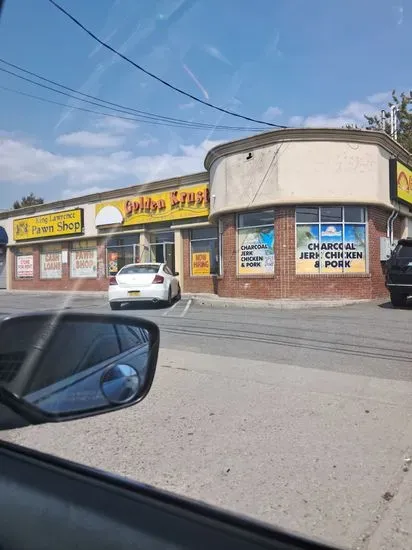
(299, 63)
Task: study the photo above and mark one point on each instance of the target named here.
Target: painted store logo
(176, 199)
(188, 202)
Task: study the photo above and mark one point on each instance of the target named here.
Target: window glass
(307, 215)
(139, 269)
(354, 214)
(256, 244)
(24, 266)
(331, 214)
(331, 247)
(83, 261)
(255, 219)
(51, 261)
(203, 233)
(404, 251)
(204, 247)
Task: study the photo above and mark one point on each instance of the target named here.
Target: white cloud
(380, 97)
(90, 140)
(146, 141)
(185, 106)
(325, 121)
(356, 110)
(117, 125)
(216, 53)
(22, 162)
(271, 113)
(296, 121)
(71, 193)
(353, 114)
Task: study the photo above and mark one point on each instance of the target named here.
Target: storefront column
(179, 266)
(144, 242)
(10, 264)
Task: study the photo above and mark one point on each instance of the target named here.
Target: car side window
(167, 270)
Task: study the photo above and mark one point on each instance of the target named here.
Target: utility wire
(109, 103)
(132, 119)
(144, 116)
(152, 75)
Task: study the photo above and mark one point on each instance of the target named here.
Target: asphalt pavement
(302, 418)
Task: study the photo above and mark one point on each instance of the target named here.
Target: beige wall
(300, 172)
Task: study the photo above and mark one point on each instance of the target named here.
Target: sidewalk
(212, 300)
(208, 300)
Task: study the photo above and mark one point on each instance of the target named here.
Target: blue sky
(292, 62)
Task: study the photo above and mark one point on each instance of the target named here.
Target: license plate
(134, 293)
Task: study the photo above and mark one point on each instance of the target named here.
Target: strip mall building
(296, 213)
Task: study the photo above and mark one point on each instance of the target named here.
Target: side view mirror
(176, 273)
(58, 366)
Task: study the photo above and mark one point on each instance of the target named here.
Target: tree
(403, 103)
(28, 200)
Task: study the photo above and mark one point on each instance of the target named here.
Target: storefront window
(24, 263)
(204, 251)
(51, 261)
(256, 243)
(122, 250)
(331, 240)
(83, 259)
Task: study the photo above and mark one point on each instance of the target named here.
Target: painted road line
(170, 309)
(189, 303)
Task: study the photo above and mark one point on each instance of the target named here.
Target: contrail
(195, 80)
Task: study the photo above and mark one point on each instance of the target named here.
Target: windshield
(239, 173)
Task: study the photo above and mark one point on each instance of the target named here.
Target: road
(302, 418)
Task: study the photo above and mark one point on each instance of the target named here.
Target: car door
(66, 505)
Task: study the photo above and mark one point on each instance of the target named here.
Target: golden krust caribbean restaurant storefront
(297, 213)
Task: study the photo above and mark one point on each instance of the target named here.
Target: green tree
(28, 200)
(403, 104)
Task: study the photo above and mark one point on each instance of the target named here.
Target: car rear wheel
(114, 306)
(179, 294)
(398, 300)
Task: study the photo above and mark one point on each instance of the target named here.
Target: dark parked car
(399, 273)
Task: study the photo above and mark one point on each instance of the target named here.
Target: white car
(153, 282)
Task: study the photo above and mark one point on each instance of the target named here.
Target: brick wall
(285, 283)
(65, 283)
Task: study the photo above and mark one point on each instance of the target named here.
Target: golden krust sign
(66, 222)
(400, 178)
(185, 202)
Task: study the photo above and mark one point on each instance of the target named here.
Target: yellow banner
(67, 222)
(201, 263)
(187, 202)
(403, 182)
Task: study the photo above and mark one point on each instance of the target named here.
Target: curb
(218, 302)
(77, 293)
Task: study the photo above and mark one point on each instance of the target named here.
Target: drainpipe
(389, 225)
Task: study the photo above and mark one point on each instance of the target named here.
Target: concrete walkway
(210, 300)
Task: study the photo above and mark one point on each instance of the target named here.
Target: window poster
(256, 253)
(339, 248)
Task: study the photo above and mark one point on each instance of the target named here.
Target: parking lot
(302, 418)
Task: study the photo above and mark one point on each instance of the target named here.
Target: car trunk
(136, 280)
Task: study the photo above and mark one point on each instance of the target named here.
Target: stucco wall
(300, 172)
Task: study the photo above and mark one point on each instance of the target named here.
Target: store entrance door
(162, 248)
